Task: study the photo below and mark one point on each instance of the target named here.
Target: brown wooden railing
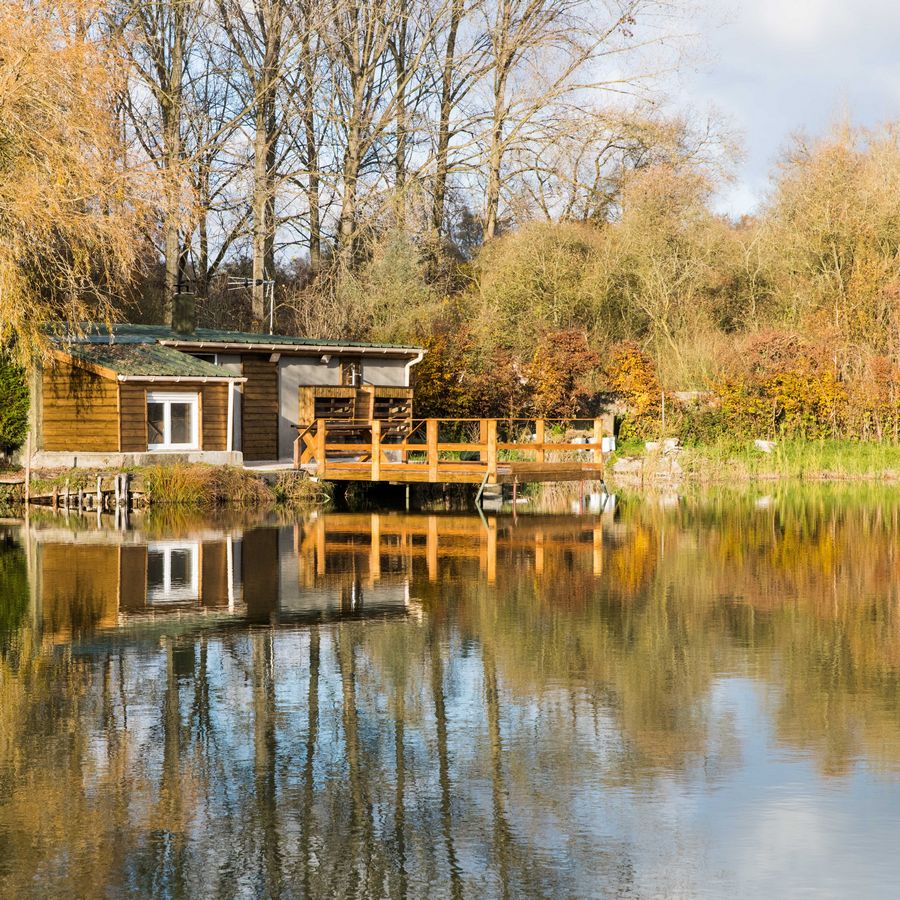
(446, 449)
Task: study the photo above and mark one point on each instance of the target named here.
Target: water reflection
(678, 699)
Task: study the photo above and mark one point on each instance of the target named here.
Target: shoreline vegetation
(631, 466)
(191, 486)
(741, 461)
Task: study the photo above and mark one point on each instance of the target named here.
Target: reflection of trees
(401, 757)
(13, 589)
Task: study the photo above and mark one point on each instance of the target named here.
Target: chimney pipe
(184, 314)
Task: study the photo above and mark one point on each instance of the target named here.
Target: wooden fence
(452, 450)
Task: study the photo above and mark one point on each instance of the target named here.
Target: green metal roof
(145, 334)
(146, 360)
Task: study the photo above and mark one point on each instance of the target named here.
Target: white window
(173, 421)
(173, 572)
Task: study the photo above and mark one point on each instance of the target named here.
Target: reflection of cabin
(96, 580)
(117, 395)
(88, 581)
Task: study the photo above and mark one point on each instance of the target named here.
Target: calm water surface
(694, 697)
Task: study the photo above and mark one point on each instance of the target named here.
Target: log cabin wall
(260, 412)
(214, 574)
(213, 413)
(79, 410)
(79, 587)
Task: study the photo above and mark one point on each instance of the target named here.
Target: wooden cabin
(140, 393)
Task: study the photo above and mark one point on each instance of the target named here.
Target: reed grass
(202, 486)
(825, 460)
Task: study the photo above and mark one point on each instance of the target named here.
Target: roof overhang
(297, 349)
(187, 379)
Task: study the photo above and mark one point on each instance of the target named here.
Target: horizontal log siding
(213, 413)
(79, 410)
(260, 410)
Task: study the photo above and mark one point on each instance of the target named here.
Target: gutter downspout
(229, 438)
(418, 358)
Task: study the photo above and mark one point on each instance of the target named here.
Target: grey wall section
(292, 372)
(385, 371)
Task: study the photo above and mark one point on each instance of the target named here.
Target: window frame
(166, 399)
(160, 595)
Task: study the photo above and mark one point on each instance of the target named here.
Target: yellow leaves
(67, 211)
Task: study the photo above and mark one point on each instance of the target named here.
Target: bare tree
(548, 55)
(260, 37)
(157, 38)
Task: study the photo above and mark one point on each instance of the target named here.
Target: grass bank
(741, 461)
(196, 486)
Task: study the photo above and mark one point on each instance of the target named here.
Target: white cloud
(773, 67)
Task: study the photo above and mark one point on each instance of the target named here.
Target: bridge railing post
(376, 450)
(539, 430)
(431, 443)
(321, 463)
(598, 440)
(492, 450)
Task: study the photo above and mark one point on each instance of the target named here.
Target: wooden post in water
(320, 546)
(375, 546)
(492, 450)
(376, 450)
(492, 548)
(431, 441)
(431, 549)
(320, 448)
(539, 431)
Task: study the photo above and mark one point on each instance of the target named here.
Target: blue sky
(774, 67)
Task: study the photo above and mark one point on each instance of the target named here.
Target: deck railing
(444, 448)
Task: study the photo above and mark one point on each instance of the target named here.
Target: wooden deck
(452, 451)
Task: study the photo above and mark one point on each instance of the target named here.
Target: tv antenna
(245, 282)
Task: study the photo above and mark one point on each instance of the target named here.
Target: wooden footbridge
(451, 451)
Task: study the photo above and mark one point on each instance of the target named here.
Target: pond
(670, 696)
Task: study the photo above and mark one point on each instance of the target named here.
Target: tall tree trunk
(443, 143)
(495, 161)
(261, 225)
(311, 160)
(171, 101)
(504, 55)
(401, 79)
(352, 164)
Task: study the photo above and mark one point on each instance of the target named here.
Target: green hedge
(13, 407)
